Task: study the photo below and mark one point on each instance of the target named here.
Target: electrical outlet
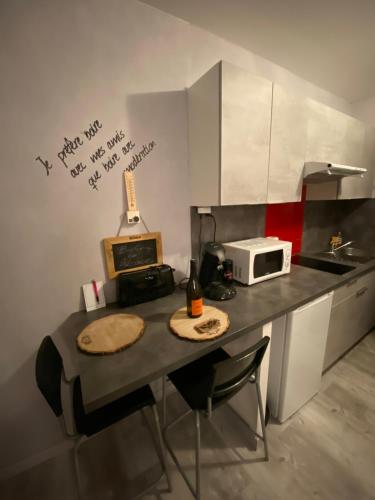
(203, 210)
(133, 216)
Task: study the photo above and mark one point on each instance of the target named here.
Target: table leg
(263, 373)
(164, 402)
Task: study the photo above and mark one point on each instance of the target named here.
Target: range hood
(316, 172)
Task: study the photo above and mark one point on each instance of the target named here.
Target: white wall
(64, 66)
(207, 49)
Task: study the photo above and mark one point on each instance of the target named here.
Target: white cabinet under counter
(353, 315)
(296, 358)
(229, 133)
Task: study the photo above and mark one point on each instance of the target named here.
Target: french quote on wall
(102, 159)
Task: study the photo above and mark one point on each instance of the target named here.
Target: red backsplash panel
(285, 220)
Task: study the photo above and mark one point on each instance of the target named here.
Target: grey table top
(105, 378)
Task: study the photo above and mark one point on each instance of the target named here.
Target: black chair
(49, 371)
(210, 382)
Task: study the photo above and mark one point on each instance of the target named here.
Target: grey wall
(354, 218)
(127, 65)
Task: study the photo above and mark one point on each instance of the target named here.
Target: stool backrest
(232, 374)
(48, 370)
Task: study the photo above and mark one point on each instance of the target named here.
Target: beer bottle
(194, 301)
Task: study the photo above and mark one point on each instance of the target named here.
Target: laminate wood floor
(326, 451)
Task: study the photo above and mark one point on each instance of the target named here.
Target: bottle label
(197, 307)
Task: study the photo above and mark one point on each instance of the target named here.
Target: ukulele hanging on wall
(132, 214)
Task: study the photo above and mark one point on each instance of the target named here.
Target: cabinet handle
(361, 291)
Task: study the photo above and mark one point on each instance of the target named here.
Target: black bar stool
(48, 371)
(209, 382)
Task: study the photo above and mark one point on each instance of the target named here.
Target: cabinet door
(245, 134)
(288, 146)
(343, 329)
(366, 299)
(326, 132)
(352, 317)
(335, 137)
(354, 142)
(305, 341)
(355, 155)
(363, 187)
(204, 138)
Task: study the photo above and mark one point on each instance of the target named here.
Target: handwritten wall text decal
(104, 156)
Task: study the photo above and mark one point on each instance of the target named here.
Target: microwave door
(268, 263)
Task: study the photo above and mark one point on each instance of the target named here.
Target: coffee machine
(215, 275)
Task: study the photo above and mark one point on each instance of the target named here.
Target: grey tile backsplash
(232, 223)
(354, 218)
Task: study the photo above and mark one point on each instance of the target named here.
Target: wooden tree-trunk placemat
(111, 334)
(212, 324)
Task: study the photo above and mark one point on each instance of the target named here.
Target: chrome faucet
(342, 246)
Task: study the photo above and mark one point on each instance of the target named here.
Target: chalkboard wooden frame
(123, 241)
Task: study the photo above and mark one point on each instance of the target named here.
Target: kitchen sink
(322, 265)
(350, 254)
(353, 254)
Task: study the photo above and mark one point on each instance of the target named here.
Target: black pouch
(141, 286)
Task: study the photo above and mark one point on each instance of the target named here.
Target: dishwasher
(296, 358)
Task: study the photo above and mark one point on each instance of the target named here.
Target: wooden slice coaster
(111, 334)
(212, 324)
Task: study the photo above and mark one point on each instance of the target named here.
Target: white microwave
(258, 259)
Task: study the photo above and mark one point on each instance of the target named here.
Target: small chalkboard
(134, 254)
(130, 253)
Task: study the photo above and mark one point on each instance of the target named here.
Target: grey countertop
(158, 352)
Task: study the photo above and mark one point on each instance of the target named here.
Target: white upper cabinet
(245, 134)
(288, 146)
(229, 132)
(335, 137)
(354, 142)
(326, 132)
(205, 139)
(359, 153)
(249, 140)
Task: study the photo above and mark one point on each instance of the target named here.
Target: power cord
(200, 244)
(121, 223)
(213, 218)
(144, 223)
(182, 284)
(200, 240)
